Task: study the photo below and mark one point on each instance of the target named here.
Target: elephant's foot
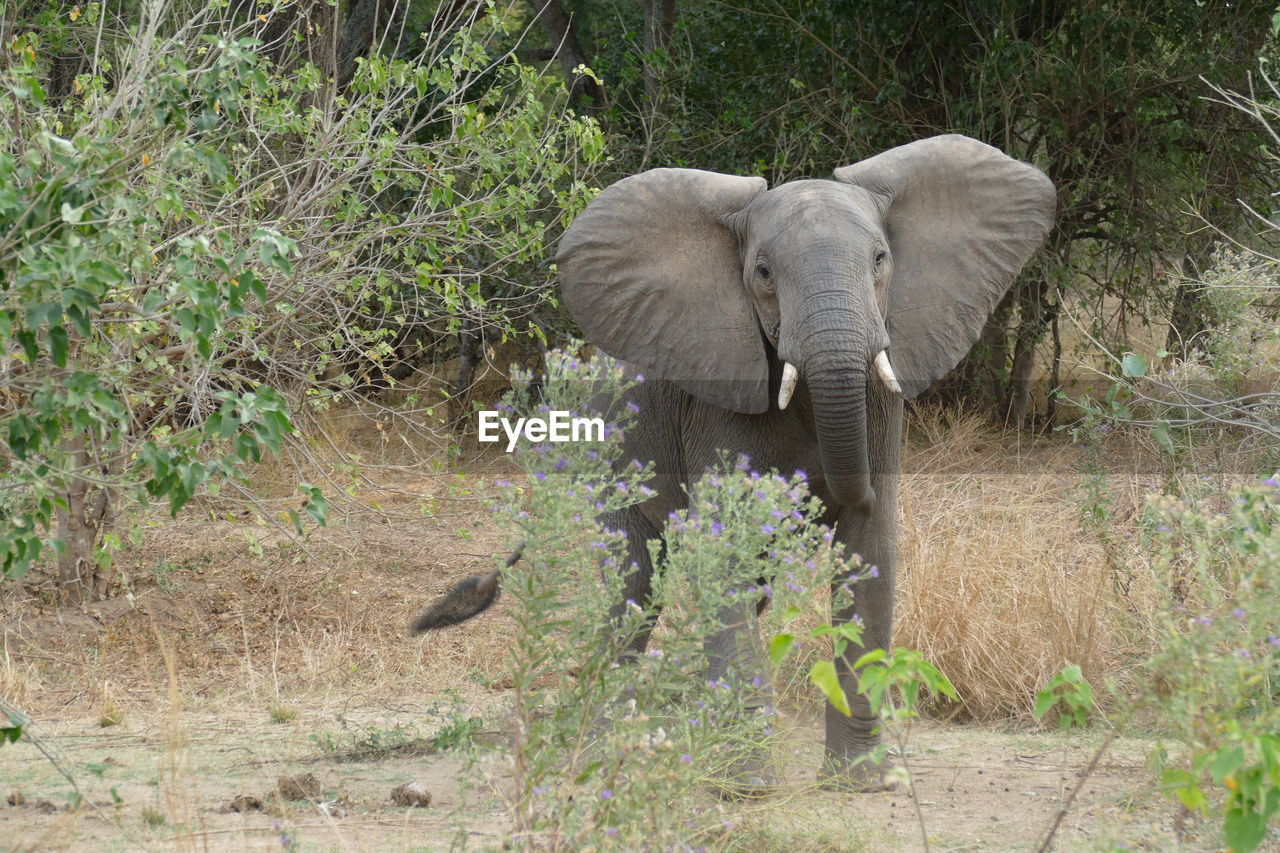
(750, 776)
(859, 776)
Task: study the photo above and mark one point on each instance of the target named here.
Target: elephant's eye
(762, 271)
(881, 254)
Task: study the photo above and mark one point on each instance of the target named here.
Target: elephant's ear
(653, 277)
(962, 219)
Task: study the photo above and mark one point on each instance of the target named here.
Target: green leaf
(1133, 365)
(317, 504)
(1225, 762)
(780, 646)
(823, 675)
(1244, 830)
(58, 345)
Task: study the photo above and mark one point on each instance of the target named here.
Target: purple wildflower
(561, 464)
(635, 409)
(540, 477)
(606, 794)
(687, 758)
(1238, 613)
(768, 528)
(502, 484)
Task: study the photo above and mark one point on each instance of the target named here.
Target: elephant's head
(892, 268)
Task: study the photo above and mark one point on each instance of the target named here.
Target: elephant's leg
(735, 657)
(637, 568)
(872, 536)
(735, 654)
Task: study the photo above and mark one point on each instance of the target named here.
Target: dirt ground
(239, 658)
(979, 788)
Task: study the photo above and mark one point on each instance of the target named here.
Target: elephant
(789, 325)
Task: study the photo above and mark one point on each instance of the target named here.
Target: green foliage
(1215, 680)
(14, 721)
(1215, 399)
(194, 241)
(612, 745)
(1070, 694)
(81, 227)
(822, 674)
(1114, 100)
(904, 670)
(363, 743)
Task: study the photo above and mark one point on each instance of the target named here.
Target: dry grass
(999, 584)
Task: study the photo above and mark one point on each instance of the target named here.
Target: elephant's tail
(470, 597)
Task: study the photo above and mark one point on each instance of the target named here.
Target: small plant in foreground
(11, 726)
(1215, 680)
(360, 744)
(281, 714)
(1070, 694)
(619, 744)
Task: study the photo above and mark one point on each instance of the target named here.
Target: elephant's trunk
(838, 389)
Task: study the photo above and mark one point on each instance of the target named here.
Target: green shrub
(194, 242)
(621, 750)
(1215, 679)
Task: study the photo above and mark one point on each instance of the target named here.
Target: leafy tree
(197, 247)
(1112, 99)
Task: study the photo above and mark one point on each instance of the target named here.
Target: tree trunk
(372, 25)
(993, 353)
(584, 92)
(659, 22)
(80, 522)
(1035, 312)
(1189, 317)
(468, 358)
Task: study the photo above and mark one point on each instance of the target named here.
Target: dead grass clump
(19, 681)
(999, 585)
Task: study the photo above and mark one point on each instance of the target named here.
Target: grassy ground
(243, 657)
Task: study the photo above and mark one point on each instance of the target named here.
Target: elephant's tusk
(789, 377)
(886, 372)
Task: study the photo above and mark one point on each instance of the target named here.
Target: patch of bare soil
(229, 780)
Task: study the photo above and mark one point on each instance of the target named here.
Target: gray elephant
(788, 325)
